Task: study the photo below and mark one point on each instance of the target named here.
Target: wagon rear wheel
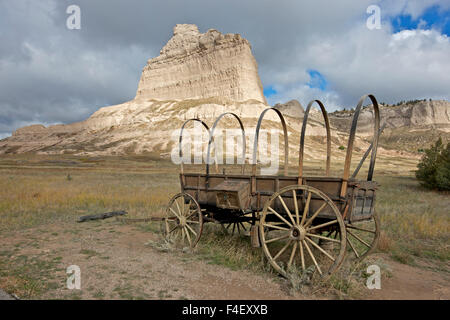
(362, 236)
(183, 221)
(294, 234)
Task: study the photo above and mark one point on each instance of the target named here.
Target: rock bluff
(194, 65)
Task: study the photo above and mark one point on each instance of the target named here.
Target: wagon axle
(298, 233)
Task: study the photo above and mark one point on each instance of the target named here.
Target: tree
(434, 168)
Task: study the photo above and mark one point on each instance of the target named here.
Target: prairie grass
(36, 194)
(415, 221)
(234, 251)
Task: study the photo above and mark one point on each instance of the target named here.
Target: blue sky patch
(317, 80)
(270, 91)
(431, 18)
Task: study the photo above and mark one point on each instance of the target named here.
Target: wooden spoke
(275, 227)
(192, 230)
(280, 217)
(192, 221)
(187, 209)
(172, 230)
(179, 210)
(287, 210)
(322, 237)
(282, 250)
(358, 238)
(336, 233)
(320, 249)
(294, 196)
(329, 233)
(187, 235)
(310, 220)
(277, 239)
(302, 256)
(183, 205)
(312, 256)
(238, 226)
(322, 225)
(174, 213)
(193, 214)
(359, 228)
(305, 211)
(177, 234)
(291, 258)
(353, 248)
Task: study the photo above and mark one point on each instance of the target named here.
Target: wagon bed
(361, 193)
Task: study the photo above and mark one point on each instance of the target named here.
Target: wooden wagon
(300, 222)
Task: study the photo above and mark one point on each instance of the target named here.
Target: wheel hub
(298, 233)
(182, 221)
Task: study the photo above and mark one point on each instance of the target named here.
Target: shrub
(434, 168)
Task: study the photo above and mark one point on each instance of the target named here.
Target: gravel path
(5, 296)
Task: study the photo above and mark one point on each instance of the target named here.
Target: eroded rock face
(435, 113)
(291, 108)
(194, 65)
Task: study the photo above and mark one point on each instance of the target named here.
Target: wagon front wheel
(183, 221)
(295, 231)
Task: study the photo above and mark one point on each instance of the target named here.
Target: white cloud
(406, 65)
(50, 74)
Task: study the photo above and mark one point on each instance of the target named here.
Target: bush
(434, 168)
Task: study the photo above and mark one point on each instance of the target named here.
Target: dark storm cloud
(49, 74)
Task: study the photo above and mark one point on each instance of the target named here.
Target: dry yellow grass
(34, 194)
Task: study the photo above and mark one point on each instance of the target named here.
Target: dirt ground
(118, 262)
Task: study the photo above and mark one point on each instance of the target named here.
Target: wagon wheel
(362, 236)
(239, 227)
(183, 221)
(289, 237)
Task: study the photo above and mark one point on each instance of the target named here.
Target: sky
(334, 51)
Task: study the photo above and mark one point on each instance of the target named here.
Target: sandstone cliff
(194, 65)
(410, 126)
(132, 127)
(291, 108)
(423, 113)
